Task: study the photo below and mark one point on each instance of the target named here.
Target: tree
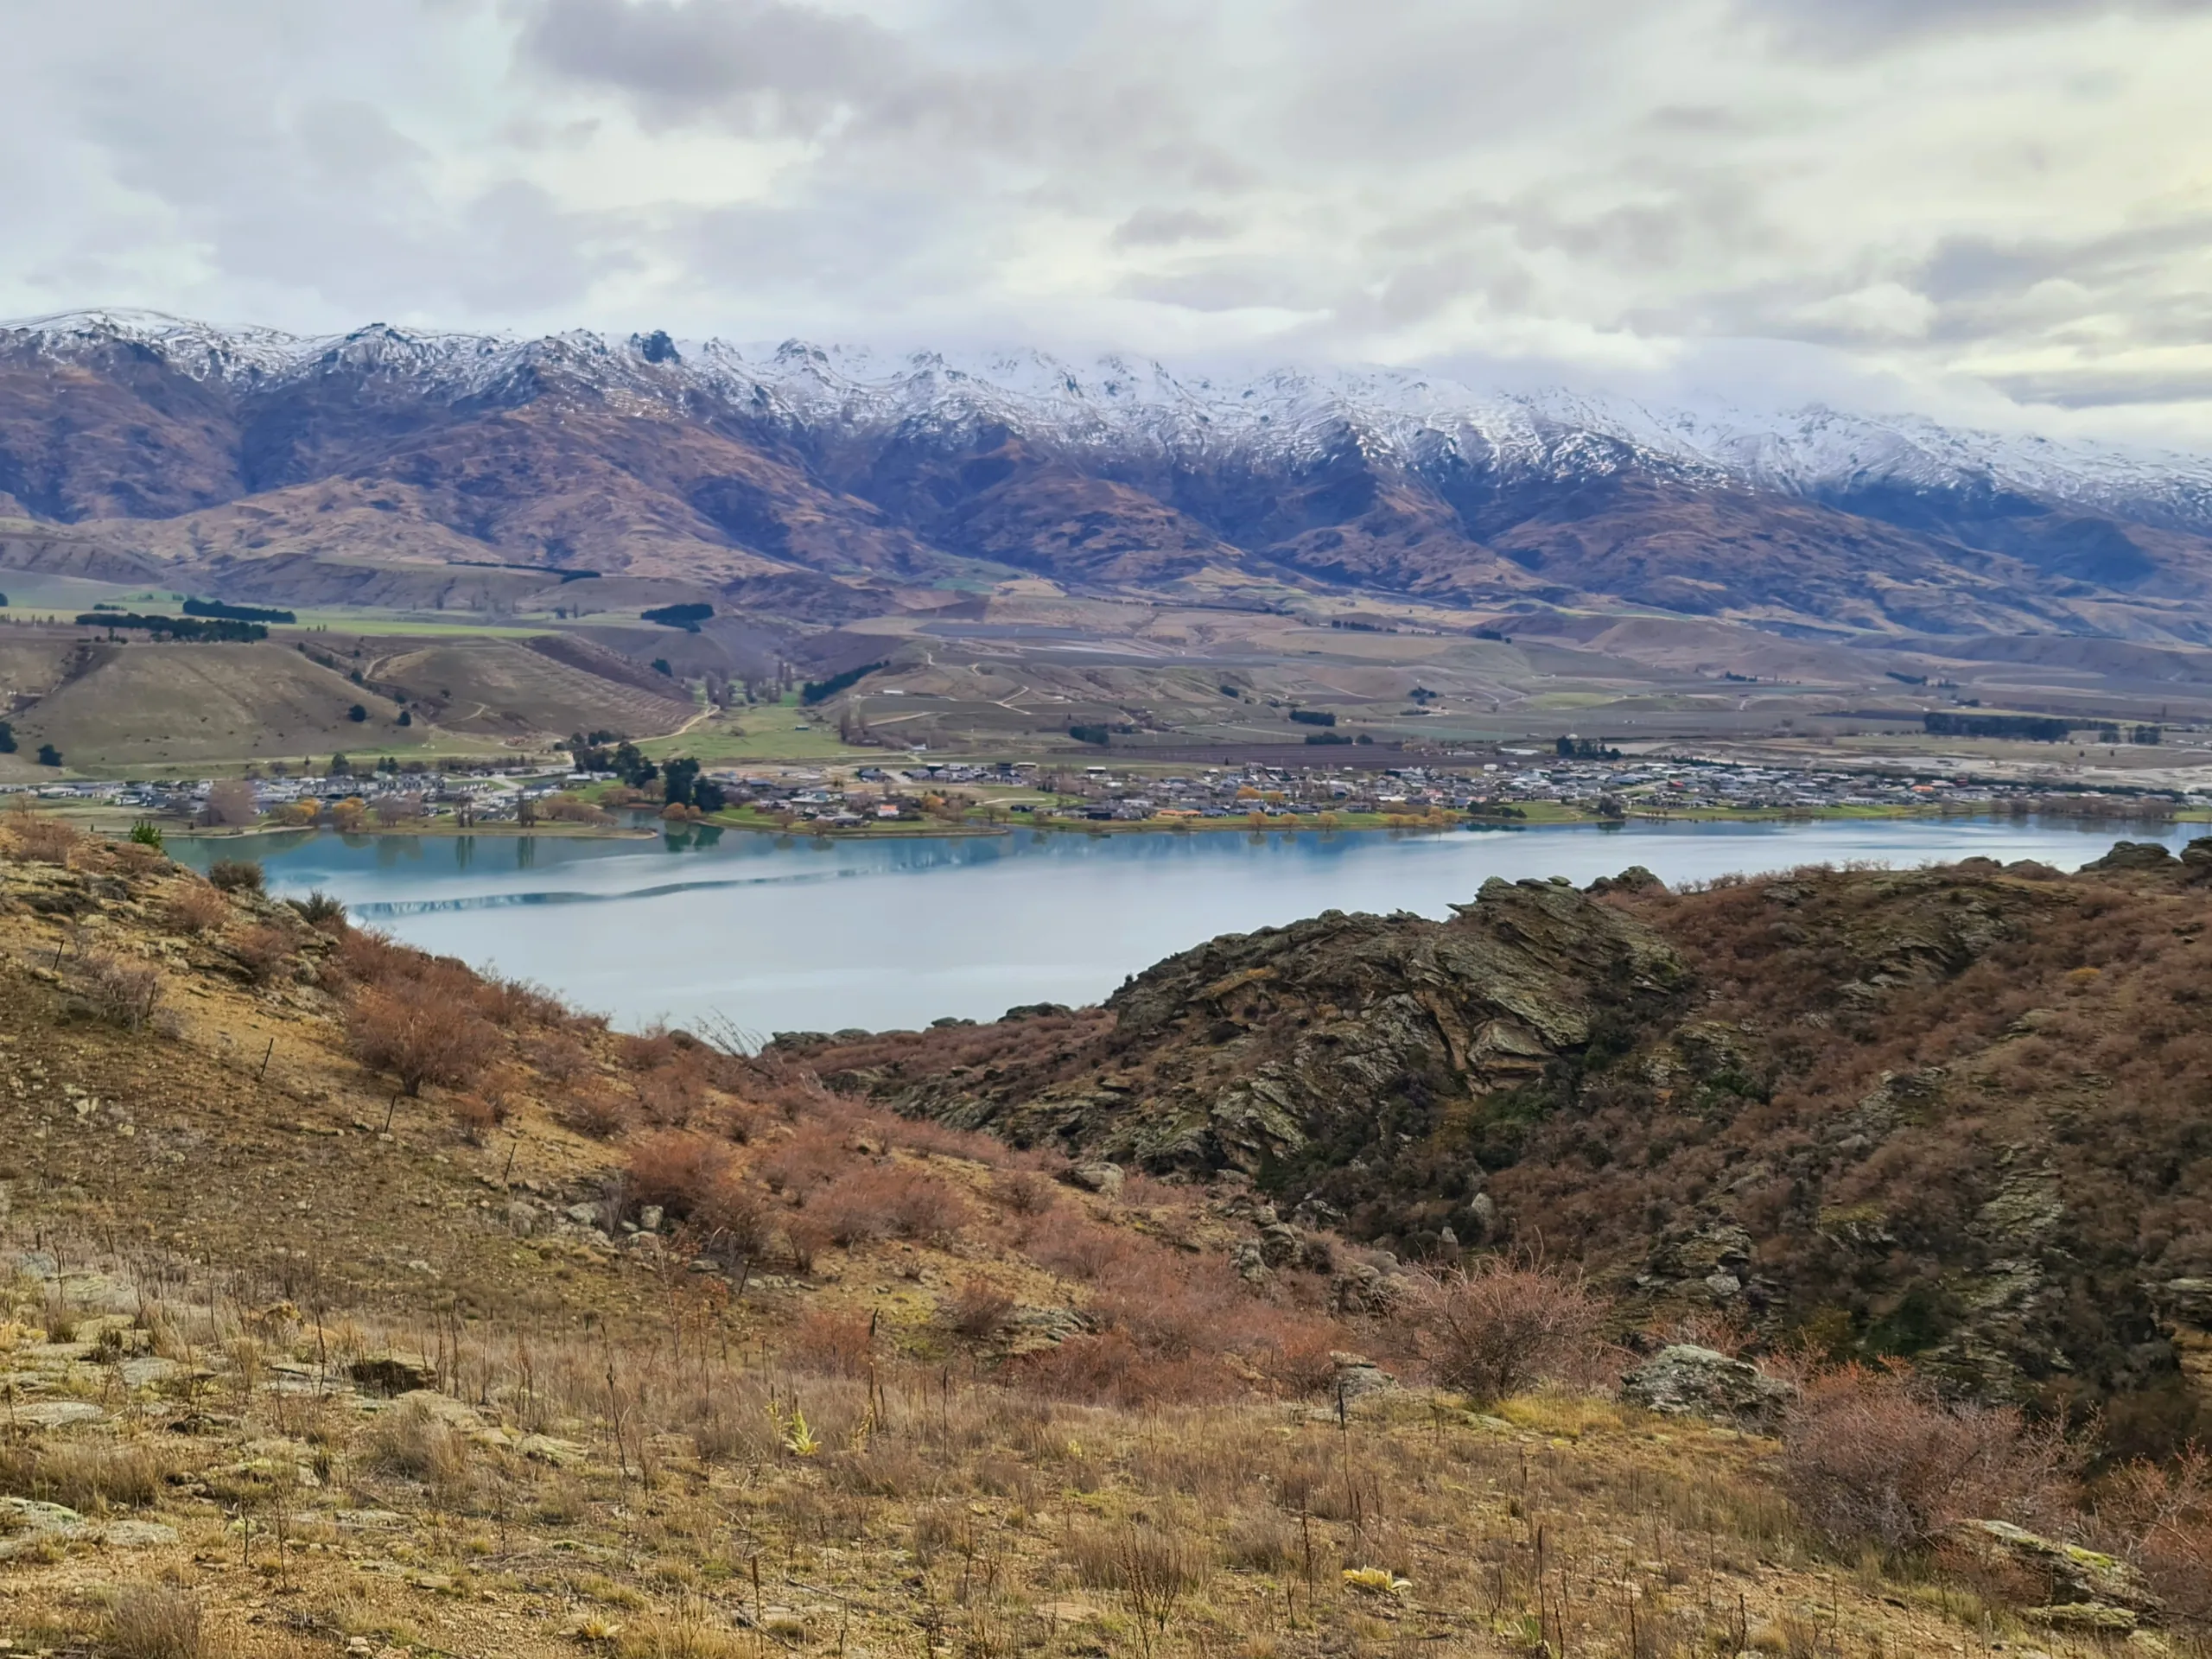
(707, 795)
(660, 666)
(420, 1034)
(678, 779)
(356, 714)
(340, 766)
(48, 755)
(7, 738)
(406, 718)
(231, 803)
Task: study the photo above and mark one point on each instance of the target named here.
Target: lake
(782, 933)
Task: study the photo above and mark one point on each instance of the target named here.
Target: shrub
(558, 1058)
(835, 1344)
(43, 840)
(320, 912)
(1153, 1566)
(264, 952)
(879, 1202)
(1109, 1369)
(979, 1310)
(735, 1220)
(1023, 1193)
(417, 1032)
(194, 906)
(154, 1621)
(594, 1110)
(671, 1096)
(813, 1154)
(1075, 1245)
(236, 874)
(1496, 1327)
(514, 1003)
(477, 1114)
(1873, 1457)
(2161, 1515)
(676, 1169)
(124, 992)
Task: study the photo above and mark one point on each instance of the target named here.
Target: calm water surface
(780, 934)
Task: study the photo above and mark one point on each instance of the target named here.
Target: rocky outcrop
(1945, 1113)
(1293, 1041)
(1683, 1380)
(2061, 1585)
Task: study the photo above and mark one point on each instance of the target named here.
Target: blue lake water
(775, 934)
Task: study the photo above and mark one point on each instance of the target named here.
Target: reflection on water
(797, 933)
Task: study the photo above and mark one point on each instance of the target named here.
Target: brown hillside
(504, 687)
(144, 704)
(1957, 1113)
(301, 1364)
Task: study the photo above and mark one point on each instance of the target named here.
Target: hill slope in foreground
(597, 1343)
(1961, 1113)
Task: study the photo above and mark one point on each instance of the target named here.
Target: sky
(1990, 209)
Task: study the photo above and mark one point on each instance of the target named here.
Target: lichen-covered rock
(2062, 1583)
(1686, 1380)
(1101, 1178)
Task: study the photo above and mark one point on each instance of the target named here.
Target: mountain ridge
(706, 460)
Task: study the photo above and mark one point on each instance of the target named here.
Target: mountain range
(812, 481)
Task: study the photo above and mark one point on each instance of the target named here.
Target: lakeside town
(622, 792)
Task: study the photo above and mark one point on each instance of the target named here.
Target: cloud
(1994, 203)
(1156, 228)
(1855, 27)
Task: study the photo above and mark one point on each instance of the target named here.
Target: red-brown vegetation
(1874, 1456)
(410, 1029)
(1502, 1324)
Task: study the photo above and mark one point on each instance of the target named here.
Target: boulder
(2134, 856)
(1685, 1380)
(393, 1373)
(2066, 1584)
(1101, 1178)
(1357, 1376)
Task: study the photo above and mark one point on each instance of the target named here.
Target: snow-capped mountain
(1119, 469)
(1133, 407)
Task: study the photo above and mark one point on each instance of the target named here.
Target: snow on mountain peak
(1115, 402)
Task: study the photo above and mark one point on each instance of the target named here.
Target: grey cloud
(1152, 227)
(1620, 179)
(788, 68)
(1855, 27)
(2093, 388)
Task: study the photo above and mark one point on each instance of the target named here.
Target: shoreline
(925, 832)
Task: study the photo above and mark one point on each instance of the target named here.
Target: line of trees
(816, 692)
(191, 628)
(215, 607)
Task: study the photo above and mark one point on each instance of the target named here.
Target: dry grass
(154, 1621)
(85, 1475)
(883, 1455)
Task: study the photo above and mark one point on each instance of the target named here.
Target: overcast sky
(1977, 206)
